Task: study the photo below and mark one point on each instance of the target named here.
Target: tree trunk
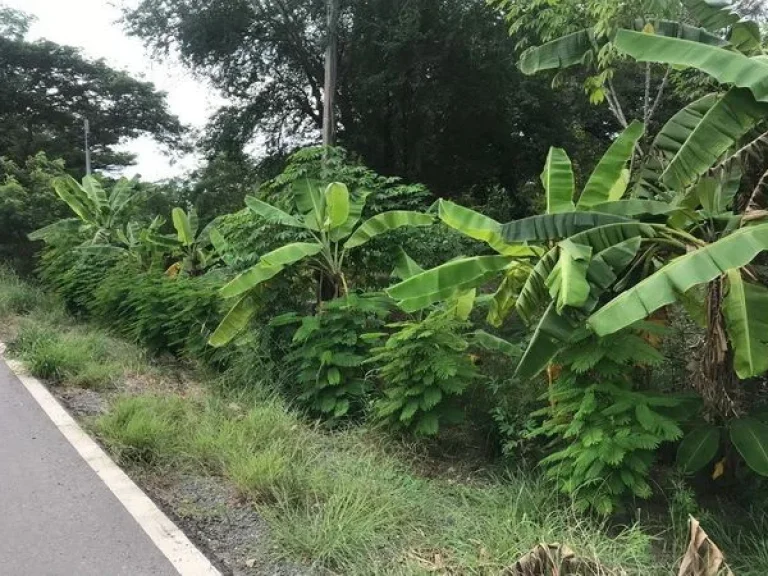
(331, 70)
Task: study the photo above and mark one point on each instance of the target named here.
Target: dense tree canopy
(47, 90)
(427, 90)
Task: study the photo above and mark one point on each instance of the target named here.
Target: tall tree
(427, 89)
(47, 90)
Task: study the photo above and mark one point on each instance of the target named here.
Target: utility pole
(87, 130)
(331, 66)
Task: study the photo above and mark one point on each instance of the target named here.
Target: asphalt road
(57, 518)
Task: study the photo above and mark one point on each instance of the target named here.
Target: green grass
(18, 297)
(342, 502)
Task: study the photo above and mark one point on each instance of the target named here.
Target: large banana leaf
(446, 280)
(337, 203)
(695, 268)
(745, 309)
(73, 194)
(503, 301)
(635, 207)
(546, 227)
(610, 169)
(534, 292)
(96, 193)
(554, 331)
(750, 437)
(560, 53)
(567, 282)
(272, 214)
(669, 140)
(745, 37)
(183, 227)
(63, 227)
(679, 30)
(714, 15)
(386, 222)
(121, 196)
(356, 206)
(405, 266)
(558, 182)
(310, 201)
(725, 66)
(236, 319)
(480, 227)
(732, 117)
(269, 266)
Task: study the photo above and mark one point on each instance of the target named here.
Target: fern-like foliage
(424, 367)
(329, 350)
(604, 431)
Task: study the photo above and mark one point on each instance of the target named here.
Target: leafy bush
(329, 352)
(606, 432)
(163, 314)
(424, 366)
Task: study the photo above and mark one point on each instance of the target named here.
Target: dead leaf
(556, 560)
(719, 469)
(703, 557)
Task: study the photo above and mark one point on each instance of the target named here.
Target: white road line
(171, 541)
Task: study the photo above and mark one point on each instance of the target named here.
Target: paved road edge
(171, 541)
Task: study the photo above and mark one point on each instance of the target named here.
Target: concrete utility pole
(87, 130)
(331, 65)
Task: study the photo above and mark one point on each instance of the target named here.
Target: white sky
(93, 26)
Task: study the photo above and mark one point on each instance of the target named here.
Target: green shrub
(163, 314)
(329, 351)
(18, 296)
(424, 367)
(607, 432)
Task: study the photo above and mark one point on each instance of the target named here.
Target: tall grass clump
(18, 297)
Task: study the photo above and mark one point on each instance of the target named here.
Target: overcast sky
(92, 25)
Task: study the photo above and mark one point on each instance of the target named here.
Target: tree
(426, 90)
(47, 90)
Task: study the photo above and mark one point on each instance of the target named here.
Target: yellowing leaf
(719, 469)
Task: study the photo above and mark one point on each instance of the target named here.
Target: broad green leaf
(480, 227)
(337, 203)
(463, 303)
(635, 207)
(234, 322)
(725, 66)
(73, 194)
(745, 37)
(446, 280)
(558, 182)
(95, 192)
(750, 437)
(219, 242)
(534, 293)
(698, 448)
(121, 195)
(695, 268)
(356, 206)
(405, 266)
(272, 214)
(503, 301)
(567, 282)
(386, 222)
(714, 15)
(554, 332)
(669, 141)
(610, 169)
(620, 187)
(310, 201)
(494, 343)
(183, 228)
(732, 117)
(269, 266)
(546, 227)
(745, 308)
(62, 227)
(560, 53)
(678, 30)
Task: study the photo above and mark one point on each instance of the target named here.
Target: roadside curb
(167, 537)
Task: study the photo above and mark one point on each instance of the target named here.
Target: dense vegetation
(613, 330)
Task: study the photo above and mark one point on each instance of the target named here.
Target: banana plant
(99, 215)
(330, 219)
(195, 250)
